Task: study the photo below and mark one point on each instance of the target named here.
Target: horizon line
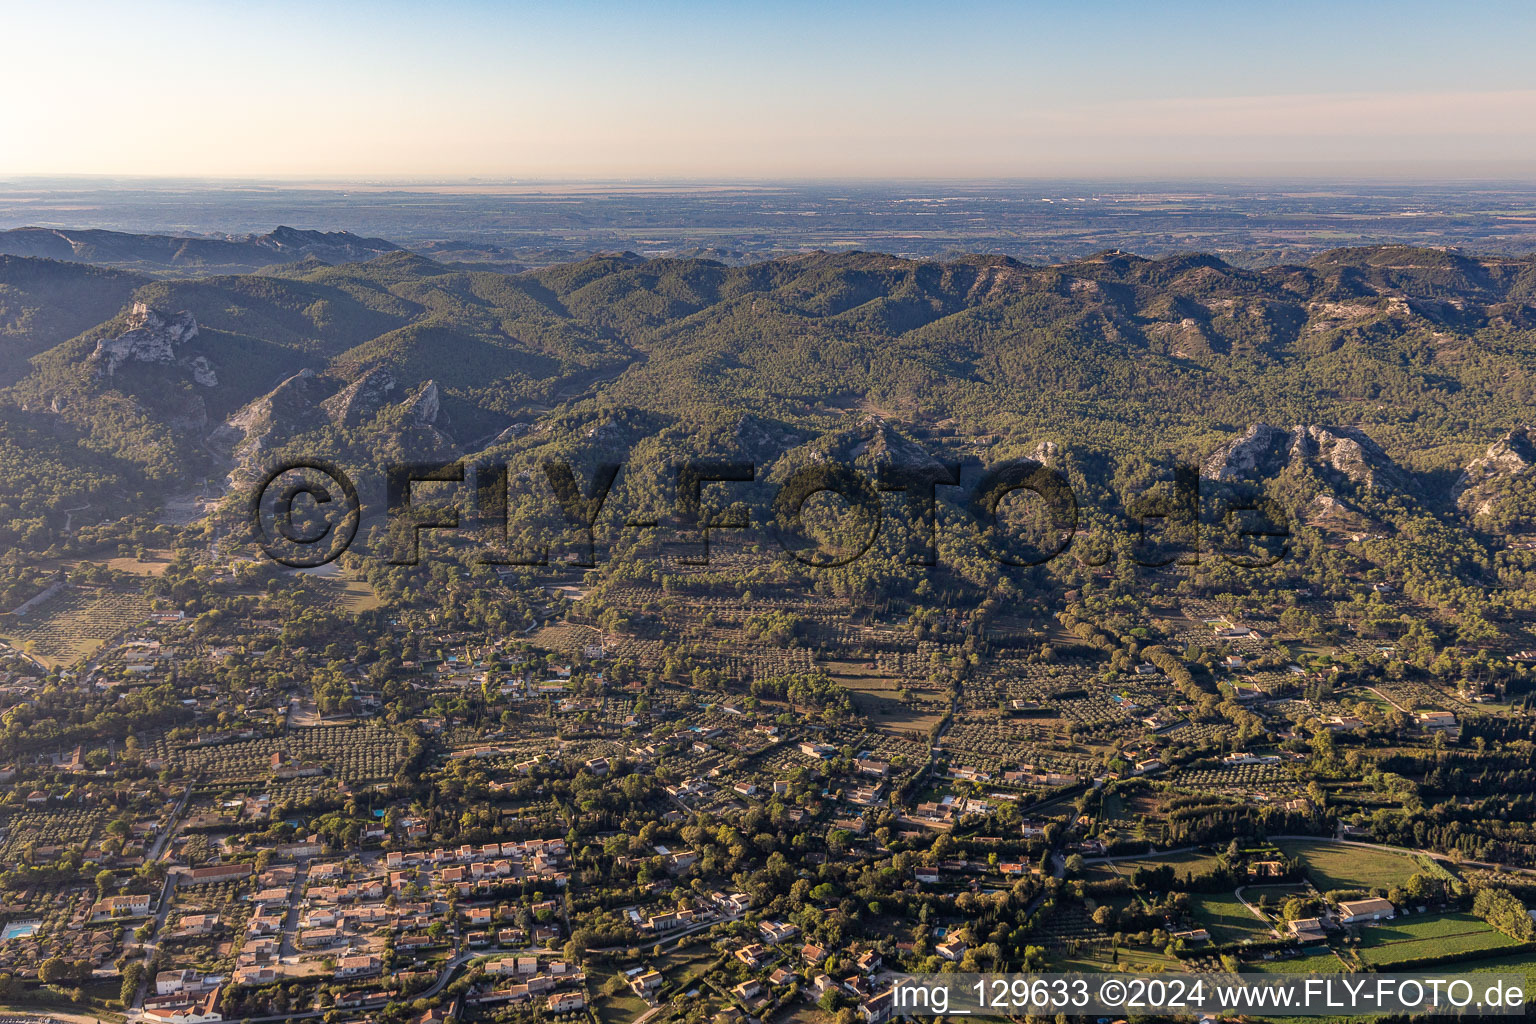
(1526, 177)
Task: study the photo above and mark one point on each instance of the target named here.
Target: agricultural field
(620, 1008)
(994, 746)
(350, 596)
(1249, 781)
(1408, 938)
(1341, 866)
(154, 563)
(352, 753)
(341, 590)
(1070, 931)
(878, 696)
(1134, 815)
(73, 623)
(1138, 961)
(1522, 964)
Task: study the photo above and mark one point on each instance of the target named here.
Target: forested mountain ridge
(191, 254)
(44, 302)
(1428, 356)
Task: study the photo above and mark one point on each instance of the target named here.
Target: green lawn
(619, 1009)
(1227, 919)
(1427, 935)
(1337, 866)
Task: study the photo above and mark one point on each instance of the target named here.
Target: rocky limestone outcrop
(426, 406)
(1260, 452)
(1333, 515)
(362, 399)
(309, 401)
(1512, 455)
(874, 442)
(1347, 452)
(762, 439)
(327, 246)
(511, 433)
(293, 395)
(266, 422)
(202, 372)
(1335, 453)
(868, 444)
(152, 337)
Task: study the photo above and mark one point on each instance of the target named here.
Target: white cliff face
(1046, 452)
(202, 372)
(309, 401)
(260, 417)
(151, 338)
(426, 405)
(264, 423)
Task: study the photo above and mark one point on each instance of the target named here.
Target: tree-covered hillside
(1126, 360)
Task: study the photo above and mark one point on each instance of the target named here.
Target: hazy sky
(456, 89)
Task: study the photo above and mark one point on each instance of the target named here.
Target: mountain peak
(320, 244)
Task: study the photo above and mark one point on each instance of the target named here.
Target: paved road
(1255, 911)
(156, 852)
(158, 848)
(287, 939)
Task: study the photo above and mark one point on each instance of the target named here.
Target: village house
(362, 966)
(202, 1011)
(136, 905)
(777, 931)
(877, 1008)
(755, 956)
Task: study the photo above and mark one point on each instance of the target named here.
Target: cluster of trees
(1503, 910)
